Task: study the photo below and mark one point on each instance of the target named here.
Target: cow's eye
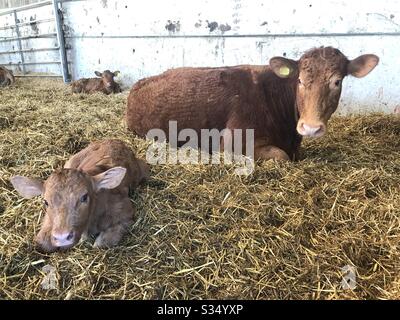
(84, 198)
(338, 82)
(46, 204)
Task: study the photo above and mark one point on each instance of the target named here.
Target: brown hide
(237, 97)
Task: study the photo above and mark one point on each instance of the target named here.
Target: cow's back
(102, 155)
(196, 98)
(87, 85)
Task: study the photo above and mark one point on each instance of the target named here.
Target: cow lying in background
(282, 102)
(6, 77)
(105, 83)
(88, 197)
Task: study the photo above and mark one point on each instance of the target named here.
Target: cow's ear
(284, 68)
(116, 73)
(361, 66)
(99, 74)
(26, 187)
(109, 179)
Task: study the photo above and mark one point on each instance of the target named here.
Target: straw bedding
(284, 232)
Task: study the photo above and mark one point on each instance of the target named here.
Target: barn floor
(284, 232)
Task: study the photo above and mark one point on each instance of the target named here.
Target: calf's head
(69, 198)
(107, 77)
(319, 74)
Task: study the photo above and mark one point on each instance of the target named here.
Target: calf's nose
(62, 239)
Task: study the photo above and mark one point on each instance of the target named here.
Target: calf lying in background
(6, 77)
(105, 83)
(88, 197)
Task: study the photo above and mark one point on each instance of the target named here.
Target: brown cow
(6, 77)
(88, 197)
(105, 83)
(282, 102)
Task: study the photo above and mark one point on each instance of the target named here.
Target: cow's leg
(114, 233)
(270, 152)
(43, 238)
(263, 151)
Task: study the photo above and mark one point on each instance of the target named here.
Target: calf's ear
(284, 68)
(26, 187)
(109, 179)
(99, 74)
(361, 66)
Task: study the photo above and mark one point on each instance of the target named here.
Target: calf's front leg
(120, 217)
(111, 236)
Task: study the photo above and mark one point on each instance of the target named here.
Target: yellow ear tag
(284, 71)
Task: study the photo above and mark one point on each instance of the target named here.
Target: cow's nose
(312, 131)
(62, 239)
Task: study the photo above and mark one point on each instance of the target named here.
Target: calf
(6, 77)
(282, 102)
(105, 83)
(88, 197)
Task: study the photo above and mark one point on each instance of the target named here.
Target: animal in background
(282, 101)
(6, 77)
(88, 197)
(105, 83)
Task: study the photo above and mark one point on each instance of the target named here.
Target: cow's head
(107, 77)
(69, 198)
(320, 73)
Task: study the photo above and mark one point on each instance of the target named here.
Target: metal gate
(36, 39)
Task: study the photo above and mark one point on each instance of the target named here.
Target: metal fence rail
(59, 34)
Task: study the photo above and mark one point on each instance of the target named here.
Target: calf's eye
(46, 204)
(337, 83)
(84, 198)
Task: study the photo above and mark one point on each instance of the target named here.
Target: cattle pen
(202, 232)
(290, 230)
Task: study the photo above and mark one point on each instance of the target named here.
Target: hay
(202, 232)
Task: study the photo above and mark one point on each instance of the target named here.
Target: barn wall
(143, 38)
(4, 4)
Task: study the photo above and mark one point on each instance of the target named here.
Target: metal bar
(27, 23)
(276, 35)
(46, 35)
(27, 7)
(31, 63)
(61, 42)
(21, 54)
(29, 50)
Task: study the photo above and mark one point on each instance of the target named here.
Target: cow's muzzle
(313, 130)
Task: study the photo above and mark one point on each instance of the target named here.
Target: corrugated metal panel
(4, 4)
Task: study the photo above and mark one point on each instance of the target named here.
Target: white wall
(155, 35)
